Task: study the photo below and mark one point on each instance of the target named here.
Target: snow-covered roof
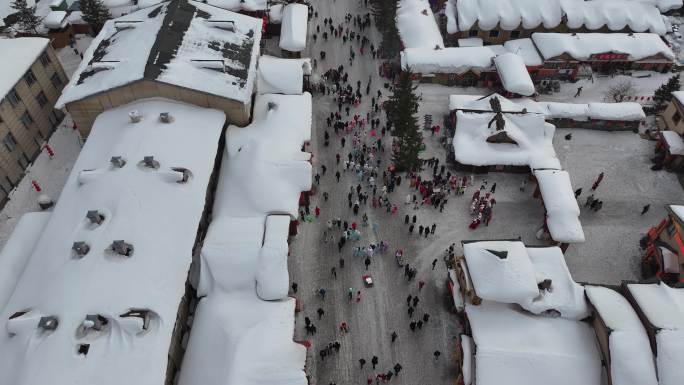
(534, 138)
(501, 271)
(679, 95)
(293, 27)
(417, 26)
(275, 13)
(184, 43)
(266, 176)
(627, 111)
(581, 46)
(513, 74)
(526, 49)
(55, 20)
(631, 359)
(678, 210)
(533, 14)
(244, 256)
(17, 251)
(562, 211)
(468, 358)
(240, 5)
(456, 60)
(281, 76)
(24, 51)
(144, 206)
(565, 295)
(663, 5)
(470, 42)
(674, 141)
(663, 306)
(514, 347)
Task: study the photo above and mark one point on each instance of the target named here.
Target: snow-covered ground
(70, 59)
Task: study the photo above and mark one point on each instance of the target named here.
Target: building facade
(27, 114)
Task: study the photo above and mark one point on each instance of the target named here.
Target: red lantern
(49, 150)
(36, 186)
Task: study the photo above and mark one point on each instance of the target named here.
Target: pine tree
(401, 111)
(664, 93)
(385, 13)
(95, 13)
(26, 16)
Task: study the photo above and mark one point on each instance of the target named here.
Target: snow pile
(513, 74)
(548, 14)
(526, 49)
(275, 13)
(450, 12)
(467, 368)
(470, 42)
(55, 20)
(532, 135)
(501, 271)
(625, 111)
(581, 46)
(562, 211)
(23, 51)
(281, 76)
(457, 60)
(565, 295)
(679, 95)
(674, 142)
(293, 27)
(216, 53)
(663, 307)
(146, 207)
(631, 359)
(243, 262)
(516, 348)
(417, 26)
(663, 5)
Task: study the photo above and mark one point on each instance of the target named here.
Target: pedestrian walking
(367, 262)
(433, 228)
(362, 362)
(414, 219)
(437, 353)
(394, 336)
(317, 211)
(408, 299)
(397, 369)
(412, 325)
(426, 317)
(645, 209)
(578, 192)
(321, 293)
(419, 324)
(320, 313)
(415, 301)
(294, 287)
(307, 321)
(493, 189)
(406, 219)
(420, 285)
(374, 361)
(579, 91)
(350, 294)
(410, 312)
(411, 229)
(344, 327)
(358, 296)
(420, 230)
(333, 272)
(434, 262)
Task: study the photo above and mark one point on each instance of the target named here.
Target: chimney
(95, 217)
(185, 174)
(117, 162)
(271, 106)
(94, 322)
(135, 116)
(149, 162)
(165, 117)
(48, 323)
(122, 248)
(80, 248)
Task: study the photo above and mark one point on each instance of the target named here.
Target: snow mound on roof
(663, 5)
(239, 5)
(576, 14)
(565, 296)
(616, 111)
(281, 76)
(272, 279)
(513, 74)
(670, 345)
(582, 45)
(417, 26)
(266, 176)
(674, 142)
(501, 271)
(456, 60)
(293, 28)
(562, 211)
(525, 48)
(516, 348)
(661, 304)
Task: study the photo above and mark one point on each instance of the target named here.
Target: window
(9, 142)
(41, 99)
(45, 59)
(56, 80)
(30, 78)
(13, 97)
(676, 117)
(515, 34)
(494, 33)
(26, 120)
(472, 33)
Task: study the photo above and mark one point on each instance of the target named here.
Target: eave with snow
(183, 50)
